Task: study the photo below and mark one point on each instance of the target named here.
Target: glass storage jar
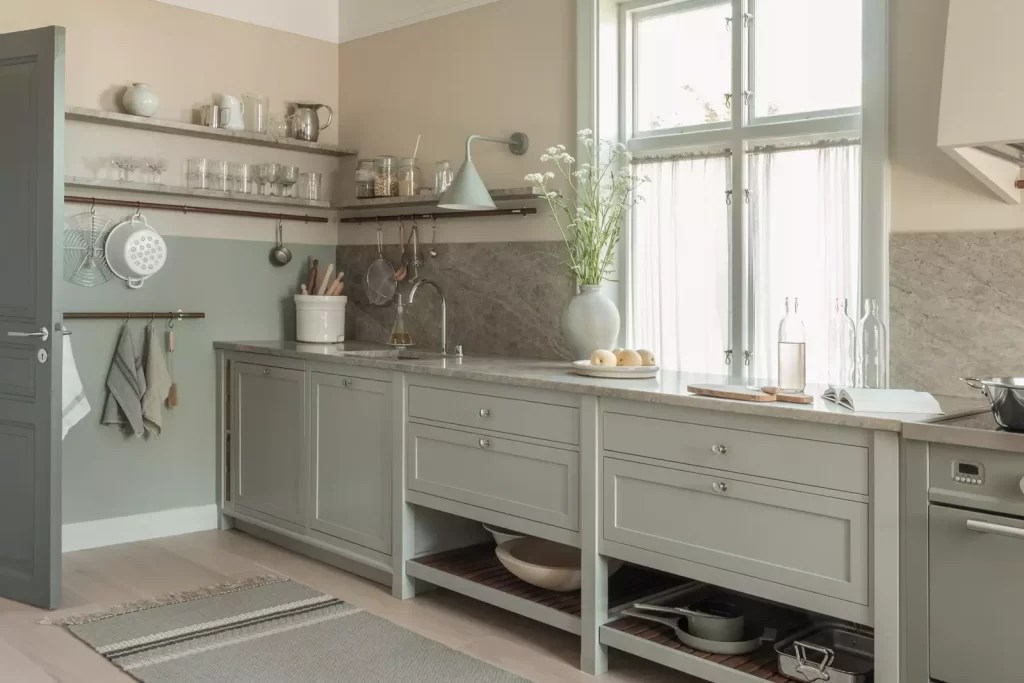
(443, 176)
(385, 177)
(408, 178)
(365, 177)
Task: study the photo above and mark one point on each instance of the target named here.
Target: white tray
(584, 367)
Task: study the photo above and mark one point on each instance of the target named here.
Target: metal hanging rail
(529, 211)
(187, 208)
(135, 315)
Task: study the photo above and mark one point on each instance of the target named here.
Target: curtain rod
(186, 208)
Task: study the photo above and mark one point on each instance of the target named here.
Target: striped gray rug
(272, 630)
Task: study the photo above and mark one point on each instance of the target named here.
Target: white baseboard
(104, 532)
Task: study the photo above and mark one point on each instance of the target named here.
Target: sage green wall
(109, 475)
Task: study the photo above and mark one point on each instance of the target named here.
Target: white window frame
(604, 106)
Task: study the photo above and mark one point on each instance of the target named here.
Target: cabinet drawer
(493, 413)
(520, 479)
(797, 539)
(816, 463)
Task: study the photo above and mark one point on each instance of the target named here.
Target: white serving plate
(584, 367)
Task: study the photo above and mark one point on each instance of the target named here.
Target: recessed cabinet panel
(516, 478)
(269, 444)
(806, 541)
(351, 447)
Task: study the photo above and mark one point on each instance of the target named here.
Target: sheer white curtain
(805, 243)
(679, 264)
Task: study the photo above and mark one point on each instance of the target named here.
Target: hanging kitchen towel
(126, 385)
(158, 383)
(74, 404)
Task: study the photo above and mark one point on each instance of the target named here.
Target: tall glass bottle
(792, 351)
(871, 348)
(842, 347)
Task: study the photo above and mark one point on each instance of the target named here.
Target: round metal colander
(380, 277)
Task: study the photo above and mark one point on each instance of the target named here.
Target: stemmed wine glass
(266, 174)
(287, 176)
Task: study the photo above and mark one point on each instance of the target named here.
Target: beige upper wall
(930, 192)
(187, 56)
(492, 70)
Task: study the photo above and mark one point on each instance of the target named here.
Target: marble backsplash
(956, 309)
(504, 298)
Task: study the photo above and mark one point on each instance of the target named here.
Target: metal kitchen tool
(751, 640)
(280, 255)
(85, 237)
(306, 121)
(380, 277)
(1006, 399)
(710, 619)
(827, 652)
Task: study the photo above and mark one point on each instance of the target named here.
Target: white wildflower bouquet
(603, 186)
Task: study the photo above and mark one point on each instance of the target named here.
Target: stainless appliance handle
(998, 529)
(43, 334)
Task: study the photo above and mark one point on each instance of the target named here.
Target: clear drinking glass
(255, 113)
(198, 174)
(872, 348)
(241, 178)
(287, 176)
(218, 175)
(443, 176)
(842, 347)
(408, 178)
(278, 127)
(792, 351)
(309, 186)
(266, 175)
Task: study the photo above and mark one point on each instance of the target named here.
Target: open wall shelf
(177, 191)
(430, 200)
(109, 118)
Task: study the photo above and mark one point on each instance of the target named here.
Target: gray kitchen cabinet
(269, 454)
(350, 442)
(741, 525)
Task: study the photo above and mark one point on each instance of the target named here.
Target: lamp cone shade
(467, 191)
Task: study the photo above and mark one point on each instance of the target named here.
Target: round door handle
(485, 412)
(719, 449)
(347, 383)
(484, 443)
(719, 487)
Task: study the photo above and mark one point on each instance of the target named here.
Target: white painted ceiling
(336, 21)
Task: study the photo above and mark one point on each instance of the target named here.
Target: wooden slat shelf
(659, 643)
(177, 191)
(109, 118)
(476, 572)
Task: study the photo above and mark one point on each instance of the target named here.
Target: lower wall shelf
(477, 573)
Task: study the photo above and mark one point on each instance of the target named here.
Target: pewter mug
(306, 120)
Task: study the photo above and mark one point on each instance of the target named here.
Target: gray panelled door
(31, 198)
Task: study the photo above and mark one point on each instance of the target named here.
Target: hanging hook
(138, 209)
(92, 206)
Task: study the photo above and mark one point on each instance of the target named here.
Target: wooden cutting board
(732, 391)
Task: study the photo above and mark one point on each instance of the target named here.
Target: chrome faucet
(444, 309)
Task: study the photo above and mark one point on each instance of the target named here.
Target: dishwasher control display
(968, 473)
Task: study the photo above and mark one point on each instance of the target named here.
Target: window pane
(805, 234)
(679, 264)
(807, 56)
(683, 68)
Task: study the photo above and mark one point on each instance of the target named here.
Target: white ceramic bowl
(545, 564)
(502, 535)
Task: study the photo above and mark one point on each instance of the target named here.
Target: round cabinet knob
(485, 412)
(719, 449)
(348, 382)
(719, 487)
(484, 443)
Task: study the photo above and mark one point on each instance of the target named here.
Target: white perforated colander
(135, 251)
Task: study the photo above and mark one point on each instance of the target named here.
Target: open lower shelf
(476, 572)
(177, 191)
(659, 643)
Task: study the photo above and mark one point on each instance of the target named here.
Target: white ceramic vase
(589, 322)
(140, 100)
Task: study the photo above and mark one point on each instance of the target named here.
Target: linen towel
(74, 404)
(158, 383)
(126, 385)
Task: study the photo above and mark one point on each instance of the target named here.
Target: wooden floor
(96, 579)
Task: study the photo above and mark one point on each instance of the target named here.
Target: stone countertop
(668, 389)
(978, 431)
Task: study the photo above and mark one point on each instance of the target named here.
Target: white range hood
(981, 115)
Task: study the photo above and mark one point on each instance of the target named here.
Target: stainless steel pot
(1006, 397)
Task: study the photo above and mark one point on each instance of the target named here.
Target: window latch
(748, 357)
(728, 23)
(746, 196)
(728, 202)
(728, 100)
(747, 94)
(747, 18)
(728, 357)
